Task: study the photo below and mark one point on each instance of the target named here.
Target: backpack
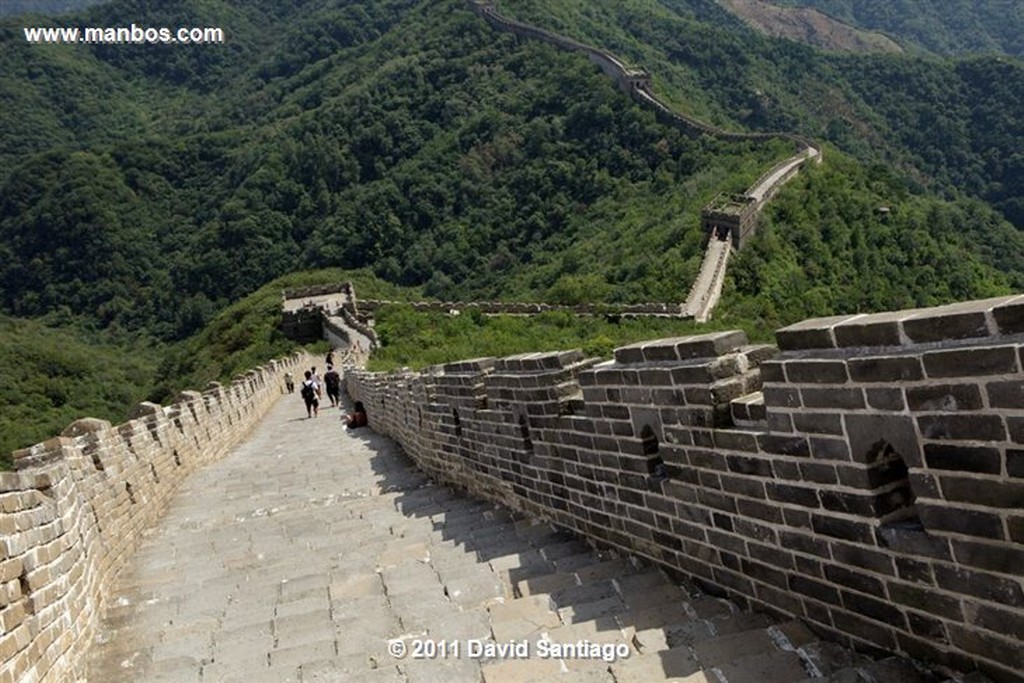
(308, 393)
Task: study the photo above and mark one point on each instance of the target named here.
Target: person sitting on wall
(357, 418)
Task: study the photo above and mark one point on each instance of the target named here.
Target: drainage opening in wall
(656, 469)
(524, 431)
(458, 423)
(896, 503)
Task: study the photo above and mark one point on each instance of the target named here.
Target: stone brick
(988, 556)
(845, 529)
(764, 573)
(838, 398)
(811, 334)
(758, 510)
(983, 491)
(871, 477)
(781, 397)
(998, 649)
(1015, 527)
(961, 580)
(784, 445)
(957, 321)
(885, 399)
(944, 456)
(814, 589)
(816, 372)
(1015, 463)
(711, 345)
(864, 557)
(818, 423)
(927, 627)
(779, 422)
(885, 369)
(915, 571)
(973, 362)
(1006, 394)
(999, 620)
(819, 472)
(877, 329)
(760, 467)
(959, 427)
(861, 627)
(960, 521)
(829, 449)
(793, 495)
(773, 371)
(874, 608)
(735, 440)
(944, 398)
(1015, 426)
(1009, 316)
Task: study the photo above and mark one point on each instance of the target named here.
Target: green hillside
(949, 27)
(49, 7)
(146, 190)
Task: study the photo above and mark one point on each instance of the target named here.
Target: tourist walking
(332, 382)
(310, 392)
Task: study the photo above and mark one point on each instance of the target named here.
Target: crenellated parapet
(76, 506)
(866, 476)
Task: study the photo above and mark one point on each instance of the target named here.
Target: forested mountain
(144, 188)
(948, 27)
(50, 7)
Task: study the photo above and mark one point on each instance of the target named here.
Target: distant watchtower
(638, 79)
(729, 216)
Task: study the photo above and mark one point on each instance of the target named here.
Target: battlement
(867, 476)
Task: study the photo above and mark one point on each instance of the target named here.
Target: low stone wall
(874, 488)
(75, 507)
(516, 308)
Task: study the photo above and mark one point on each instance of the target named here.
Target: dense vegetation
(949, 27)
(15, 7)
(146, 190)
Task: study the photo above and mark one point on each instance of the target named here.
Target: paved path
(309, 552)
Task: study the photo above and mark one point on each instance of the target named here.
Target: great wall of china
(729, 218)
(76, 507)
(866, 476)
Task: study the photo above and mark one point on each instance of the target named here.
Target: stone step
(776, 666)
(826, 659)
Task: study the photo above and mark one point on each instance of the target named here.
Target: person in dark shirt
(332, 382)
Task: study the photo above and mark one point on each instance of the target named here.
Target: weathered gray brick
(944, 398)
(816, 372)
(973, 362)
(961, 427)
(886, 369)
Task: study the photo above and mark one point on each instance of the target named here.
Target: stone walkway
(313, 554)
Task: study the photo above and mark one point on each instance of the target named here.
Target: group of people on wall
(312, 390)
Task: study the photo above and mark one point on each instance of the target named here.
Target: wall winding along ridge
(76, 505)
(867, 476)
(727, 220)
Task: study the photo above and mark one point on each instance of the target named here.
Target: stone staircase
(631, 622)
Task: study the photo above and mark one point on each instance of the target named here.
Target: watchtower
(729, 216)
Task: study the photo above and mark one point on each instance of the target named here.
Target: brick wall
(75, 507)
(866, 476)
